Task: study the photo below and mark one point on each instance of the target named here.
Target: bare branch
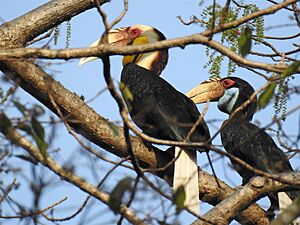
(7, 190)
(101, 50)
(36, 82)
(25, 28)
(237, 22)
(37, 212)
(179, 42)
(13, 135)
(256, 187)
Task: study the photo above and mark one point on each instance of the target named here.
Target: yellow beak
(209, 90)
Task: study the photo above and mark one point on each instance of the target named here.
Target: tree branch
(289, 214)
(270, 10)
(25, 28)
(103, 49)
(13, 135)
(258, 186)
(80, 116)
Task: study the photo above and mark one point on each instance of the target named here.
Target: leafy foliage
(57, 34)
(68, 37)
(291, 69)
(127, 95)
(5, 123)
(38, 134)
(29, 123)
(266, 96)
(230, 37)
(245, 42)
(116, 195)
(179, 198)
(280, 103)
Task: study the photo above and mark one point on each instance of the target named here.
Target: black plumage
(247, 141)
(254, 146)
(159, 109)
(156, 107)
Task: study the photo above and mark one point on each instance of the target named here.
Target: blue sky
(184, 71)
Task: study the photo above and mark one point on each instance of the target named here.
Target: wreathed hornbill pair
(163, 112)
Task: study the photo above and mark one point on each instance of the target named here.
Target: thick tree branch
(13, 135)
(103, 49)
(81, 117)
(25, 28)
(257, 187)
(98, 130)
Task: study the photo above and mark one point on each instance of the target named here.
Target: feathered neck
(153, 61)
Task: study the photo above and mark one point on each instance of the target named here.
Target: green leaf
(266, 96)
(127, 95)
(20, 107)
(126, 92)
(298, 200)
(116, 195)
(38, 110)
(42, 145)
(38, 129)
(5, 123)
(179, 198)
(291, 69)
(245, 41)
(25, 127)
(38, 135)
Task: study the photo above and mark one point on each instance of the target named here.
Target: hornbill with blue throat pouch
(239, 136)
(158, 108)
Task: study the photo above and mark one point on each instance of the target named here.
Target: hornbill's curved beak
(116, 37)
(209, 90)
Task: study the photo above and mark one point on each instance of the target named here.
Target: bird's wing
(254, 146)
(159, 109)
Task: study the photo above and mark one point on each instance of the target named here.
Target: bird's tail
(285, 200)
(186, 174)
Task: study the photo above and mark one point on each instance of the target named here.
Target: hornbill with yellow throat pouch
(158, 108)
(239, 136)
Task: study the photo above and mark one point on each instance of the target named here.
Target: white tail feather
(284, 202)
(186, 174)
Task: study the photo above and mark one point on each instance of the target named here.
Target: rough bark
(81, 117)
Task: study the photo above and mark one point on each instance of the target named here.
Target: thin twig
(199, 120)
(36, 212)
(133, 192)
(213, 22)
(7, 190)
(48, 34)
(121, 16)
(87, 198)
(224, 12)
(69, 129)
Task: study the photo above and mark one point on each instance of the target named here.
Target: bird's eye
(227, 83)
